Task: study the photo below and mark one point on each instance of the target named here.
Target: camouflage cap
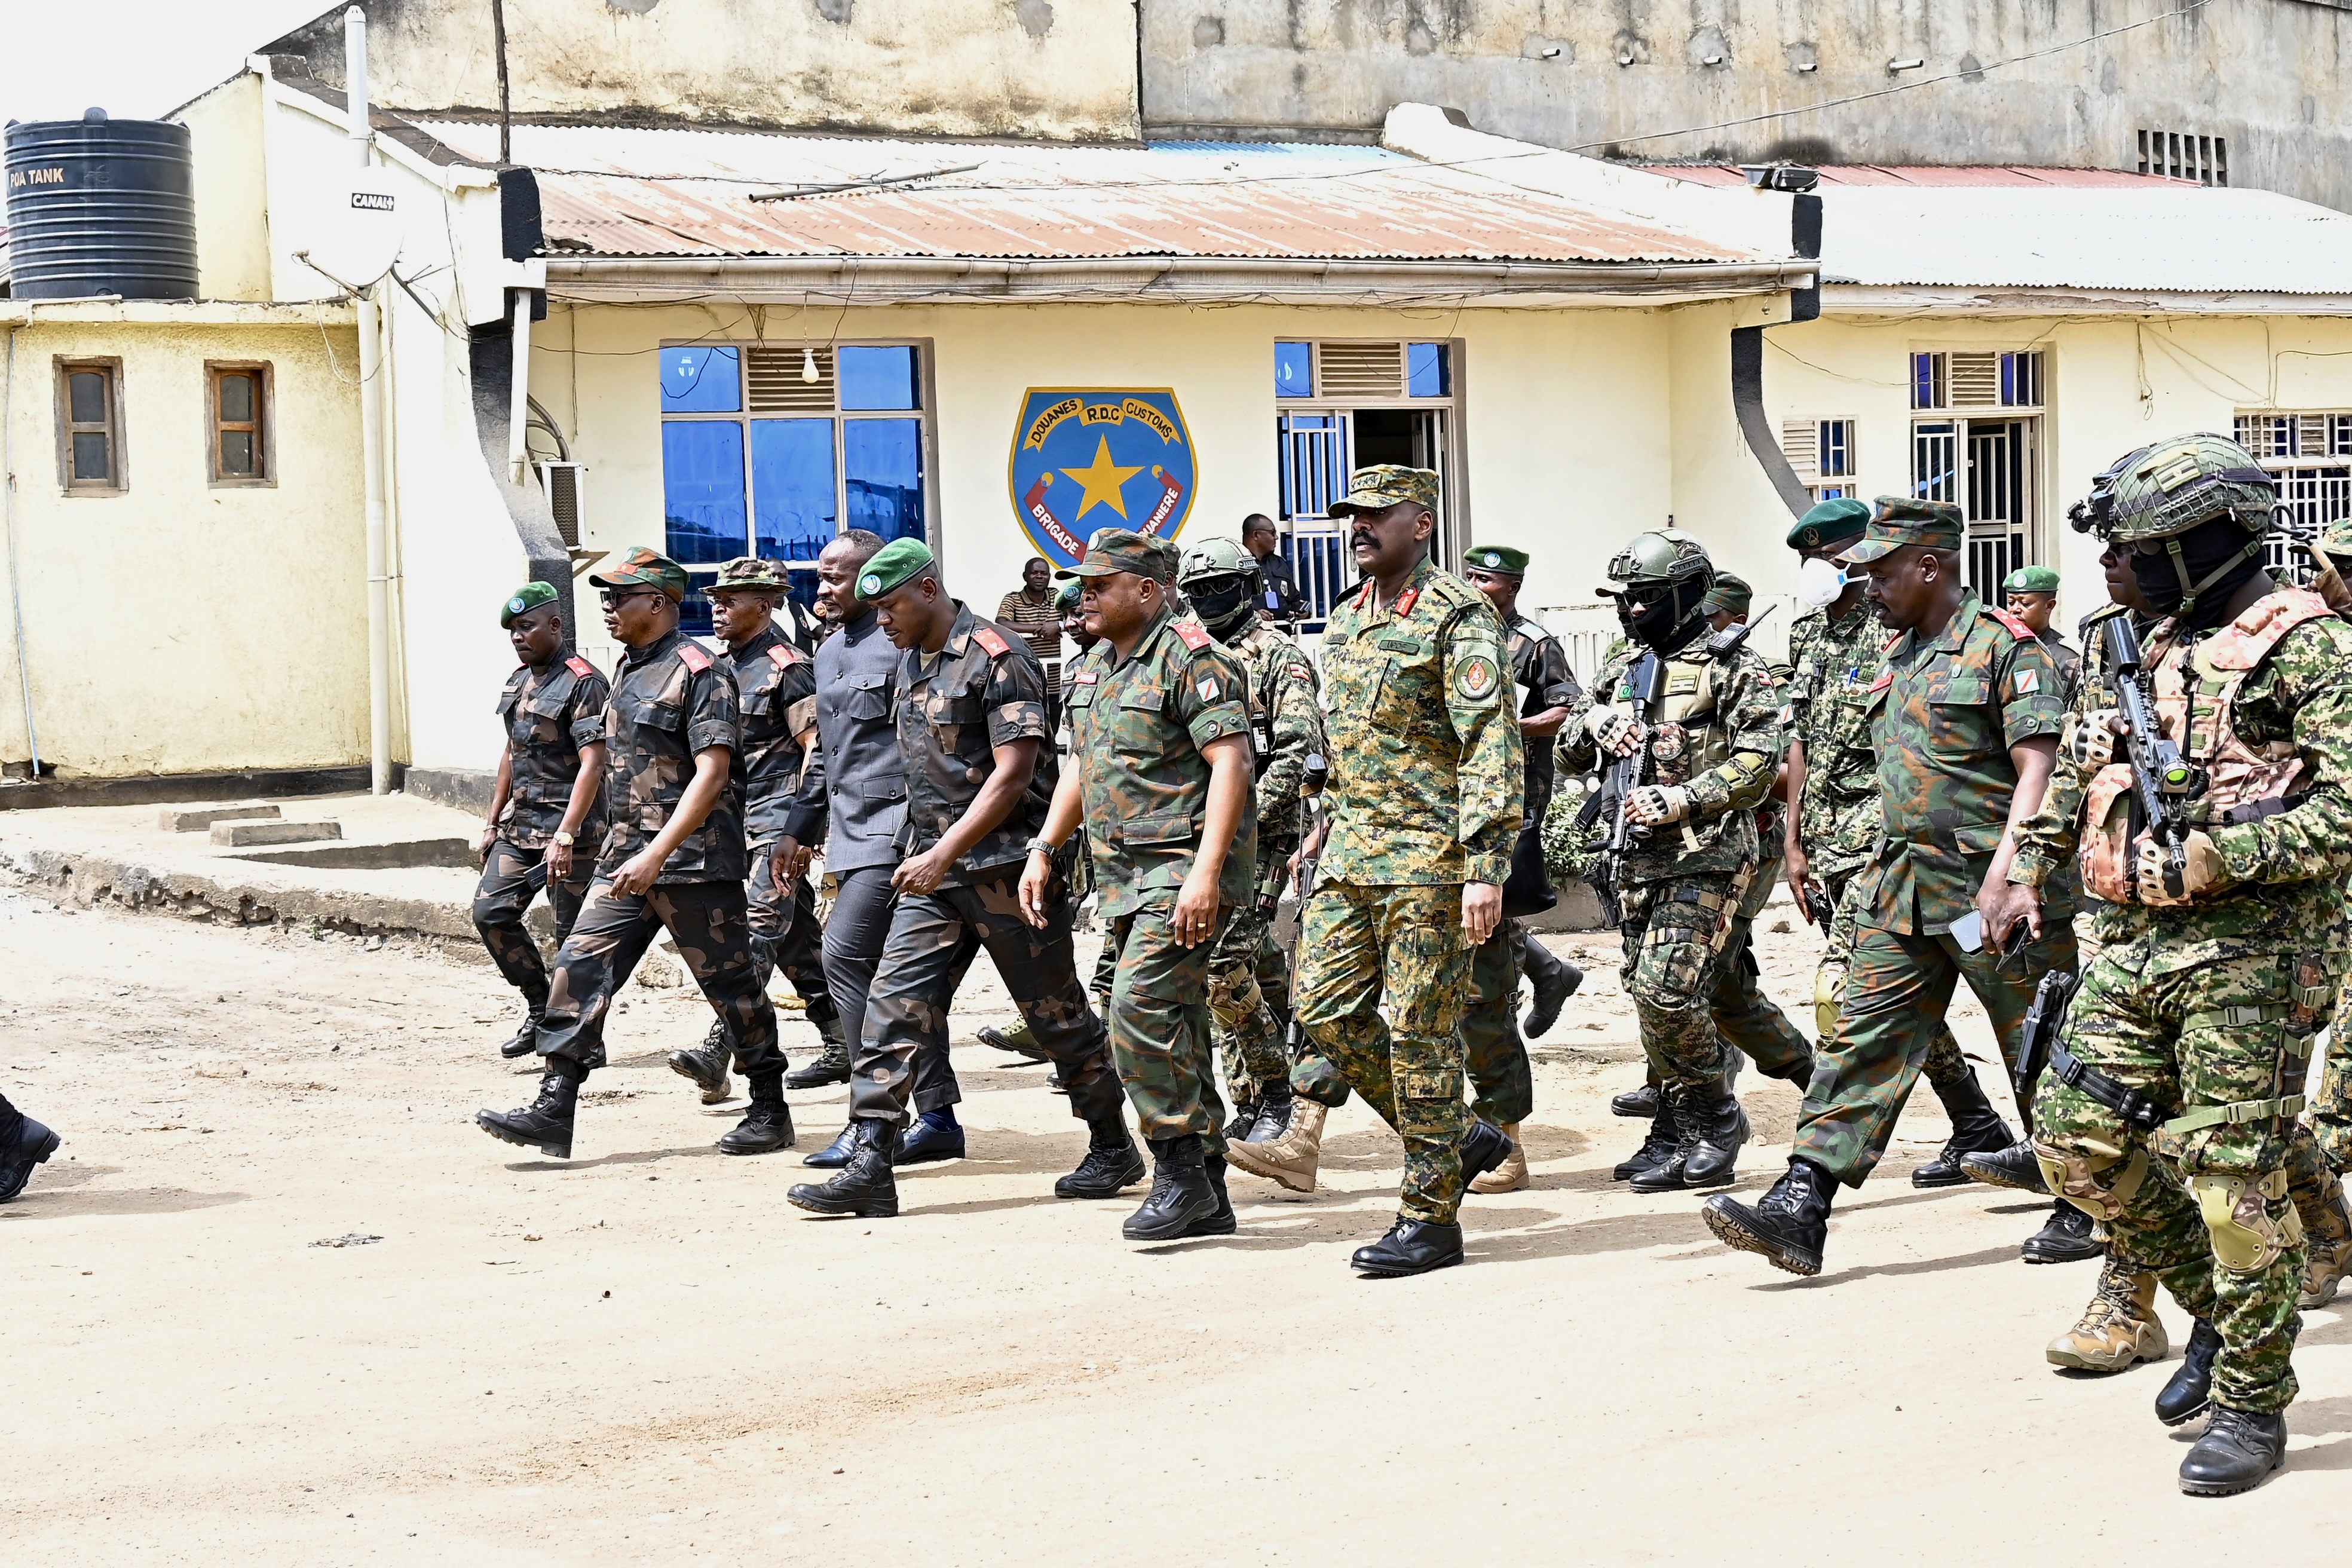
(1124, 550)
(1831, 522)
(893, 566)
(1898, 520)
(1497, 558)
(1730, 594)
(527, 598)
(2335, 541)
(750, 572)
(644, 568)
(2031, 580)
(1066, 598)
(1386, 484)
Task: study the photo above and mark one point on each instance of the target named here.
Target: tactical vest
(2245, 784)
(1689, 737)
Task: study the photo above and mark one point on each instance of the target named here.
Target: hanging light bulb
(808, 365)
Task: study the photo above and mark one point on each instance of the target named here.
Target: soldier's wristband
(1039, 847)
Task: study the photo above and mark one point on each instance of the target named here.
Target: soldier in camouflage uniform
(2169, 1110)
(776, 685)
(980, 771)
(674, 859)
(2331, 1108)
(1160, 747)
(1965, 712)
(1425, 799)
(547, 798)
(1706, 763)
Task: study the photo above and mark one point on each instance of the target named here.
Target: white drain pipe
(371, 331)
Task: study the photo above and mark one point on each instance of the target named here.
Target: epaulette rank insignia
(996, 645)
(690, 655)
(579, 666)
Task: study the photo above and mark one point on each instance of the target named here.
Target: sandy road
(646, 1356)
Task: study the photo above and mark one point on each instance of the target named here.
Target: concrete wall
(181, 627)
(224, 129)
(2265, 74)
(1057, 70)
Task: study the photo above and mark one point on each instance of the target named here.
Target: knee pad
(1829, 985)
(2075, 1174)
(2237, 1212)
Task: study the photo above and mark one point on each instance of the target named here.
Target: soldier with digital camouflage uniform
(1965, 712)
(2170, 1110)
(1425, 799)
(2331, 1108)
(1704, 763)
(674, 859)
(548, 797)
(980, 771)
(1160, 772)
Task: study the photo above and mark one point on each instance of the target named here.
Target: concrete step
(239, 835)
(196, 818)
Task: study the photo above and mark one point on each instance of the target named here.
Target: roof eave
(1945, 299)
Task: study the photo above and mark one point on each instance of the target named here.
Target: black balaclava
(1669, 622)
(2219, 549)
(1222, 605)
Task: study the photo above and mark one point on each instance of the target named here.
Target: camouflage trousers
(931, 941)
(1159, 1024)
(1677, 933)
(854, 935)
(1897, 992)
(1249, 1033)
(1944, 1065)
(2192, 1036)
(511, 878)
(706, 921)
(786, 935)
(1358, 946)
(2331, 1106)
(1502, 1081)
(1750, 1021)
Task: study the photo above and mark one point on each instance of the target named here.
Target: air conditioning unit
(561, 483)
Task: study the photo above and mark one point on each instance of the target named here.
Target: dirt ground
(644, 1355)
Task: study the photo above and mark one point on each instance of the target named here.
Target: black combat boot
(1242, 1123)
(1112, 1162)
(2238, 1449)
(526, 1040)
(935, 1136)
(863, 1187)
(706, 1065)
(831, 1068)
(1410, 1246)
(835, 1154)
(1790, 1224)
(545, 1124)
(769, 1125)
(1723, 1129)
(1977, 1129)
(1222, 1221)
(1657, 1148)
(1180, 1194)
(2065, 1237)
(1274, 1109)
(23, 1146)
(1484, 1147)
(1554, 984)
(2185, 1398)
(2014, 1167)
(1643, 1102)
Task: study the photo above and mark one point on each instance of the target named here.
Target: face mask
(1819, 583)
(1219, 604)
(1663, 624)
(2217, 549)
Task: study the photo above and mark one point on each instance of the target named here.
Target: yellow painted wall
(231, 191)
(181, 627)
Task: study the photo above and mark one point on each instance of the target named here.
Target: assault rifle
(2162, 781)
(1295, 1045)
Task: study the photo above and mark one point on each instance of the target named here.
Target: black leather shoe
(1221, 1223)
(1723, 1131)
(1112, 1162)
(863, 1187)
(2190, 1390)
(835, 1154)
(526, 1038)
(927, 1143)
(1274, 1109)
(30, 1145)
(1410, 1246)
(768, 1126)
(706, 1065)
(831, 1067)
(2014, 1167)
(1643, 1102)
(1977, 1129)
(1243, 1123)
(1484, 1147)
(2065, 1237)
(2238, 1449)
(1180, 1194)
(1552, 991)
(1657, 1148)
(545, 1124)
(1789, 1226)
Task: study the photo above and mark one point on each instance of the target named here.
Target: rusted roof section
(2017, 175)
(632, 193)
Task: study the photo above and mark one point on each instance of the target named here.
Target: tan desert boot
(2118, 1329)
(2328, 1233)
(1512, 1174)
(1292, 1158)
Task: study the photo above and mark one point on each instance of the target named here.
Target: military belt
(2256, 810)
(2284, 1105)
(1715, 903)
(2129, 1104)
(2235, 1017)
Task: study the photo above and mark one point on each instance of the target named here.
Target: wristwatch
(1042, 846)
(566, 839)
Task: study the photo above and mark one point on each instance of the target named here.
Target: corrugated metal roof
(1945, 176)
(614, 191)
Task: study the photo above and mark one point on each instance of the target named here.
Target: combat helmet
(1219, 579)
(2166, 488)
(1673, 570)
(1214, 558)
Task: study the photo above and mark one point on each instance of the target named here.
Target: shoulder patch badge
(1209, 689)
(1192, 635)
(1477, 678)
(690, 655)
(996, 645)
(579, 666)
(2028, 681)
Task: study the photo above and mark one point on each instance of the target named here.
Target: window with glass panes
(90, 426)
(1976, 441)
(772, 449)
(237, 400)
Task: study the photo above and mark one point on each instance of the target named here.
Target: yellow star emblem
(1102, 481)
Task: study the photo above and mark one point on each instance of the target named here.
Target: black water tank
(100, 206)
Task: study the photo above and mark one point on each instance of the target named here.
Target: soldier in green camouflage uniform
(2169, 1110)
(1425, 801)
(1160, 772)
(1706, 762)
(2331, 1107)
(1964, 711)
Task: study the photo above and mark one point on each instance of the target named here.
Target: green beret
(1828, 523)
(644, 568)
(1898, 520)
(527, 598)
(750, 572)
(1124, 550)
(1730, 593)
(891, 567)
(1066, 600)
(1499, 558)
(2031, 580)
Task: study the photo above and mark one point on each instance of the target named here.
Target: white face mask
(1819, 583)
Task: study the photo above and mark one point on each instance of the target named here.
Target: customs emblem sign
(1086, 458)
